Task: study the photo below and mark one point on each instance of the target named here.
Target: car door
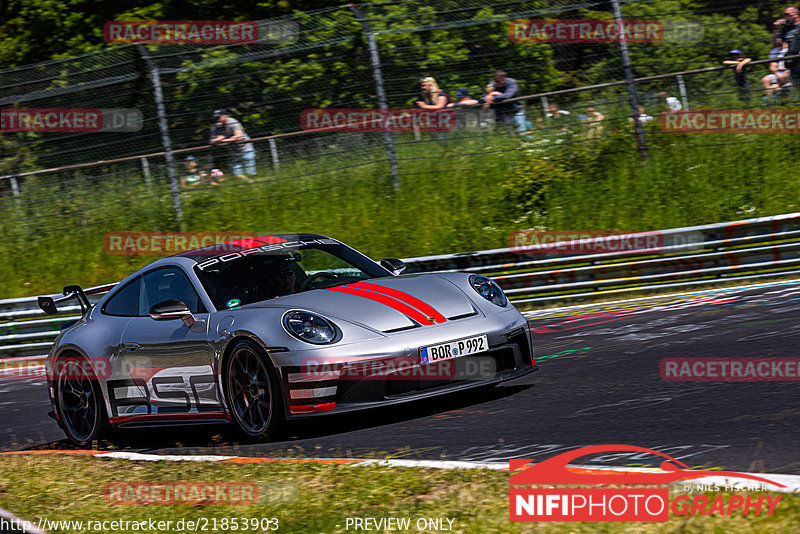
(170, 364)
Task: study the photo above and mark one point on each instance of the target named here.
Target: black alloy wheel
(252, 393)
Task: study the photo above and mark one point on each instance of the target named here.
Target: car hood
(389, 304)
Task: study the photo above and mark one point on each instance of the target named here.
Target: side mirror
(395, 266)
(172, 309)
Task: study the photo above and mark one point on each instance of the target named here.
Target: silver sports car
(260, 331)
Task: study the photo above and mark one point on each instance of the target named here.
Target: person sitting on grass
(194, 176)
(779, 76)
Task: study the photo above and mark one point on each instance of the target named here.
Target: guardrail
(740, 250)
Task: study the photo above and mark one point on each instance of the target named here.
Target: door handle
(130, 347)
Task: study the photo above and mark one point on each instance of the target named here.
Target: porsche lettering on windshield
(264, 249)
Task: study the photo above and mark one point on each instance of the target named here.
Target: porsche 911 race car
(260, 331)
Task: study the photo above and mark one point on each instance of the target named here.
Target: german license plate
(453, 349)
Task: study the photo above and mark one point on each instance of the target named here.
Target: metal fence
(371, 56)
(751, 249)
(345, 57)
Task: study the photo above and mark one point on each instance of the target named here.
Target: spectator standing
(672, 103)
(644, 118)
(739, 64)
(510, 113)
(488, 90)
(593, 121)
(788, 29)
(228, 131)
(431, 98)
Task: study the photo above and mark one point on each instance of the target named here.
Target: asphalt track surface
(598, 383)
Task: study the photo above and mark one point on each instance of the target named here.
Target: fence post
(682, 91)
(158, 94)
(146, 172)
(626, 62)
(15, 189)
(273, 149)
(378, 75)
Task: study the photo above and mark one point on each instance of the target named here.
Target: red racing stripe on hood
(395, 304)
(411, 300)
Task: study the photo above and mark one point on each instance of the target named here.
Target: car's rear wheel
(79, 402)
(252, 392)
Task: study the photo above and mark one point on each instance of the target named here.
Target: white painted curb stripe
(792, 482)
(437, 464)
(30, 527)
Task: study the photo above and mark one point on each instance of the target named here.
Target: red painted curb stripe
(395, 304)
(411, 300)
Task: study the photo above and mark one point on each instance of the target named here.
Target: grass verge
(461, 193)
(315, 497)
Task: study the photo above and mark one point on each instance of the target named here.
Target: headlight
(488, 289)
(309, 327)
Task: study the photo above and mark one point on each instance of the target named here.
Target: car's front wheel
(252, 392)
(79, 403)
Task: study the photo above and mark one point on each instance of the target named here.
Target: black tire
(252, 392)
(79, 401)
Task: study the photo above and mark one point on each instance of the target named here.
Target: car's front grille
(476, 367)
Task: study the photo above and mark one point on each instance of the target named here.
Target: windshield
(254, 275)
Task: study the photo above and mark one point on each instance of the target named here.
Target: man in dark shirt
(739, 64)
(227, 131)
(510, 113)
(788, 29)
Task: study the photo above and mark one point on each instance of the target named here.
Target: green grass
(316, 498)
(466, 195)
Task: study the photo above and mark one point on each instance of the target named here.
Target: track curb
(792, 482)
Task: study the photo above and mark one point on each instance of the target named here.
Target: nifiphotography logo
(627, 500)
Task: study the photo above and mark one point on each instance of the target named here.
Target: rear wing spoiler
(48, 304)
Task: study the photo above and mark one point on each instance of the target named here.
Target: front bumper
(325, 381)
